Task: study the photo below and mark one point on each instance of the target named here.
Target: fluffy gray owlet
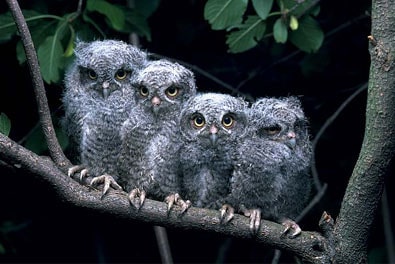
(211, 124)
(150, 136)
(96, 101)
(272, 174)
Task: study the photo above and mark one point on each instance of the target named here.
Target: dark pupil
(92, 74)
(227, 120)
(121, 73)
(199, 120)
(144, 90)
(171, 90)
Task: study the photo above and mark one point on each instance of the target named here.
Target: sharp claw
(227, 213)
(83, 173)
(108, 182)
(71, 171)
(289, 224)
(255, 220)
(137, 194)
(176, 199)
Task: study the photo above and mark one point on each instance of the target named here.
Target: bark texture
(366, 184)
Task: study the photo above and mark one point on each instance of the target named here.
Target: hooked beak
(155, 101)
(106, 89)
(291, 140)
(213, 134)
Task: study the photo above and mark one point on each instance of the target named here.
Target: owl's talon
(227, 213)
(137, 197)
(108, 182)
(77, 168)
(83, 174)
(255, 218)
(176, 199)
(291, 225)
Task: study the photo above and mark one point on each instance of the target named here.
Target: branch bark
(310, 246)
(38, 84)
(366, 184)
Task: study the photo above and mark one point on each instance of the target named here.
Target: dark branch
(41, 98)
(366, 184)
(309, 245)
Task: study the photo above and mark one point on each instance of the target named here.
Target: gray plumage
(273, 164)
(150, 136)
(211, 125)
(97, 100)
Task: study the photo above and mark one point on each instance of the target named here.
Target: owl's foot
(227, 213)
(176, 199)
(255, 218)
(137, 197)
(78, 168)
(291, 225)
(108, 182)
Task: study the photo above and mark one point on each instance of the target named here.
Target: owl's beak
(155, 101)
(106, 89)
(213, 134)
(291, 140)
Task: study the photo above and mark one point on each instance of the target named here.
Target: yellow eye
(228, 121)
(144, 91)
(92, 74)
(121, 74)
(198, 121)
(172, 91)
(272, 130)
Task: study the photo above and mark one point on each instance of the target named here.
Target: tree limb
(366, 184)
(310, 246)
(43, 109)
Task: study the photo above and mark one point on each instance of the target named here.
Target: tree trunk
(366, 184)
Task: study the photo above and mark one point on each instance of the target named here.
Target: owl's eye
(228, 121)
(272, 130)
(172, 91)
(144, 91)
(92, 74)
(198, 121)
(121, 74)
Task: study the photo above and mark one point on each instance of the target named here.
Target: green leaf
(293, 23)
(36, 141)
(50, 56)
(146, 8)
(136, 22)
(298, 8)
(7, 28)
(222, 14)
(309, 36)
(247, 36)
(262, 7)
(280, 31)
(5, 124)
(114, 14)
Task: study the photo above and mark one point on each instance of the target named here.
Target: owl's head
(163, 86)
(105, 67)
(214, 119)
(281, 120)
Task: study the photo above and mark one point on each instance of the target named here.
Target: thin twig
(323, 128)
(43, 109)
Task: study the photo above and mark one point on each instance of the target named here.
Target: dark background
(36, 227)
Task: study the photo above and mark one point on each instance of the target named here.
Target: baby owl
(97, 99)
(211, 126)
(150, 136)
(271, 177)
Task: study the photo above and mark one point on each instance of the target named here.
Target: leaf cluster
(54, 35)
(248, 23)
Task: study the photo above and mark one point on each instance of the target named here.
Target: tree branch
(310, 246)
(43, 109)
(365, 187)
